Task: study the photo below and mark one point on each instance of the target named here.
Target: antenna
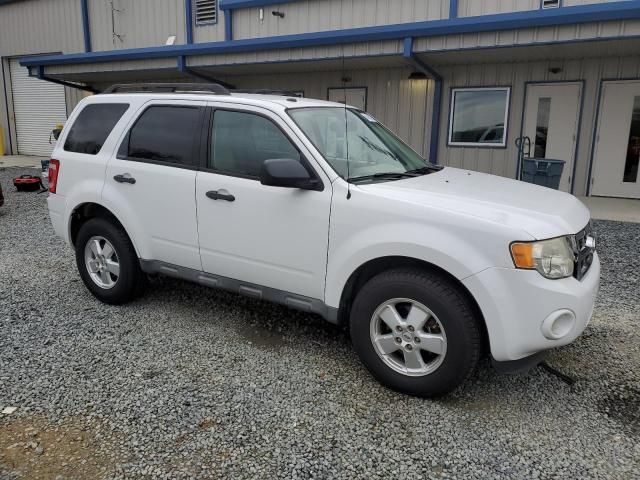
(346, 129)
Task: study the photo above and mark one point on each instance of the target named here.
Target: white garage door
(38, 106)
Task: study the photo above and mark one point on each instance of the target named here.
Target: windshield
(372, 150)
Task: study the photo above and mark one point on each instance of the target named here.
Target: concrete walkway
(24, 161)
(618, 209)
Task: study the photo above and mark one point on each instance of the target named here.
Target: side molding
(291, 300)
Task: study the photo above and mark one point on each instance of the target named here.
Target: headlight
(551, 258)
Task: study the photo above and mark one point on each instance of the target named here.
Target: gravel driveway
(189, 382)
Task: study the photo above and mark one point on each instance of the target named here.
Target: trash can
(543, 171)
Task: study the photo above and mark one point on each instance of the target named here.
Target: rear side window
(165, 134)
(93, 126)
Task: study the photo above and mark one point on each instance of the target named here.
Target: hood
(539, 211)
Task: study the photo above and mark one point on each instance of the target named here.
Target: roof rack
(212, 88)
(266, 91)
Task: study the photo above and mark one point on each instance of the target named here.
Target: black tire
(448, 304)
(131, 280)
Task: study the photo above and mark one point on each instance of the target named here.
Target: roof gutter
(419, 65)
(623, 10)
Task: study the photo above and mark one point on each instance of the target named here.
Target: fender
(349, 255)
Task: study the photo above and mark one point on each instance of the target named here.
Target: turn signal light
(54, 170)
(522, 254)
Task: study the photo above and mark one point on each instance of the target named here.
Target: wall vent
(550, 3)
(206, 11)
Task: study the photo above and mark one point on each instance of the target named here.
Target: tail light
(54, 170)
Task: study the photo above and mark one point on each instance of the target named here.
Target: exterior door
(354, 96)
(551, 122)
(263, 235)
(155, 170)
(617, 149)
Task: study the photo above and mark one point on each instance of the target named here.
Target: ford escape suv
(319, 207)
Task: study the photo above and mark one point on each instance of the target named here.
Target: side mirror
(288, 173)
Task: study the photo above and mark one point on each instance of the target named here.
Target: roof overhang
(623, 10)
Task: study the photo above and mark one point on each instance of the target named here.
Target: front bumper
(518, 306)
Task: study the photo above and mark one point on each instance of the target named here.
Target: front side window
(479, 117)
(242, 141)
(165, 134)
(367, 149)
(92, 127)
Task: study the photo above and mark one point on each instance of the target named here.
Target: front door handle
(124, 178)
(220, 195)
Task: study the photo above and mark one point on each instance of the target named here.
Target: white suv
(319, 207)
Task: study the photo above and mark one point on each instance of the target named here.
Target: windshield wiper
(385, 176)
(427, 169)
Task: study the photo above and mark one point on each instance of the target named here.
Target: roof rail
(212, 88)
(267, 91)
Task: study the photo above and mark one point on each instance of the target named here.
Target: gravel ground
(189, 382)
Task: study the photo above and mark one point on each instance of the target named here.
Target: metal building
(460, 80)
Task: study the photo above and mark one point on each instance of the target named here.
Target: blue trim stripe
(237, 4)
(188, 17)
(453, 8)
(86, 28)
(624, 10)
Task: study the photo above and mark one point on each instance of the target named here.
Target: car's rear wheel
(415, 331)
(107, 262)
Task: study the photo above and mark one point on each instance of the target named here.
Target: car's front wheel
(415, 332)
(107, 262)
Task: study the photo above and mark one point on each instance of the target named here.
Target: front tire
(107, 262)
(415, 332)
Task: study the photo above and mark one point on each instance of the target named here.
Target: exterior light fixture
(416, 75)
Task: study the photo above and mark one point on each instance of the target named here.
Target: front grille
(583, 253)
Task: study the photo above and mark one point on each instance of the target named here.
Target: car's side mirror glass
(288, 173)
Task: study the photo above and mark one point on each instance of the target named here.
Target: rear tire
(107, 262)
(415, 332)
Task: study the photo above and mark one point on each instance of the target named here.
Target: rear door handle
(220, 195)
(124, 178)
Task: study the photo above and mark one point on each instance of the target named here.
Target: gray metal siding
(402, 105)
(471, 8)
(530, 36)
(319, 15)
(503, 161)
(37, 26)
(140, 23)
(210, 33)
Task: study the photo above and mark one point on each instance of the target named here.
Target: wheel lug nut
(398, 340)
(409, 347)
(411, 329)
(399, 328)
(417, 339)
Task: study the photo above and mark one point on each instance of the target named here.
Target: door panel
(268, 236)
(162, 199)
(551, 122)
(617, 151)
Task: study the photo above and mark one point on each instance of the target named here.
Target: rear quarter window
(92, 127)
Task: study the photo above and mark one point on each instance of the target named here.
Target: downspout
(437, 96)
(453, 8)
(228, 25)
(183, 68)
(42, 76)
(86, 28)
(188, 14)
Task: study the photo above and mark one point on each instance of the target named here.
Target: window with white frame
(206, 11)
(479, 117)
(550, 4)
